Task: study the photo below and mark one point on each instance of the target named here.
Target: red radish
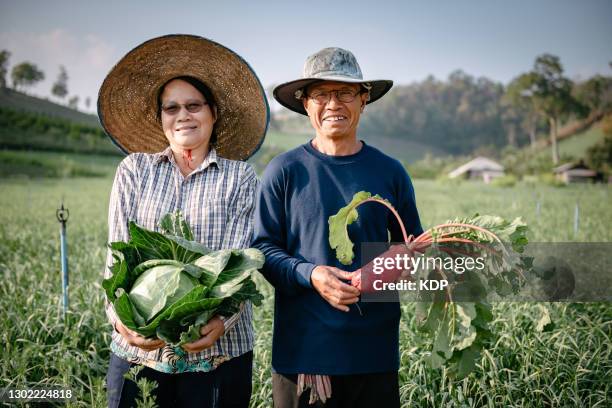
(443, 233)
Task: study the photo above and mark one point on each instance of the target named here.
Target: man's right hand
(327, 281)
(135, 339)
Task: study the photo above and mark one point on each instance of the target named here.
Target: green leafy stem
(459, 330)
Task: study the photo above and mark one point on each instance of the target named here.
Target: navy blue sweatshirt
(300, 190)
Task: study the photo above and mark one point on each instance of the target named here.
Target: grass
(285, 141)
(575, 146)
(553, 222)
(51, 164)
(569, 365)
(578, 144)
(55, 165)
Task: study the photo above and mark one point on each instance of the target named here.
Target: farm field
(569, 365)
(38, 164)
(20, 101)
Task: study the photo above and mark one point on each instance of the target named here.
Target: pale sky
(400, 40)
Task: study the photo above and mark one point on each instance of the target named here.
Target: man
(347, 354)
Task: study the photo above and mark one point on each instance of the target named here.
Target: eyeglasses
(174, 108)
(343, 95)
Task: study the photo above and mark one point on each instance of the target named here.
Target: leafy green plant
(508, 180)
(165, 284)
(567, 366)
(551, 180)
(459, 329)
(145, 386)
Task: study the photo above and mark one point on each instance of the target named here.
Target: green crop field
(568, 366)
(12, 99)
(53, 164)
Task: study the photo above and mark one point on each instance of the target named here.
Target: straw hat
(329, 64)
(127, 102)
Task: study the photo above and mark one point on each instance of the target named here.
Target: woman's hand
(210, 332)
(135, 339)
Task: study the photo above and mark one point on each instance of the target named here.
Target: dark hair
(202, 88)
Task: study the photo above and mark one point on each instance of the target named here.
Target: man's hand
(210, 332)
(135, 339)
(327, 281)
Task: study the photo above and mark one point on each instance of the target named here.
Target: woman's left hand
(210, 332)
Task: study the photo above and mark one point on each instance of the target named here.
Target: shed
(575, 173)
(479, 168)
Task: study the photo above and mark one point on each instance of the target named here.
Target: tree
(599, 156)
(595, 94)
(606, 125)
(552, 93)
(60, 87)
(511, 118)
(87, 102)
(73, 102)
(26, 74)
(519, 98)
(4, 57)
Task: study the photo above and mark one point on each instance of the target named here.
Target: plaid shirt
(217, 202)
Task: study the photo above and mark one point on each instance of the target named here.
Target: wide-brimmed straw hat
(329, 64)
(127, 102)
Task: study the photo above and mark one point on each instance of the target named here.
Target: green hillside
(21, 102)
(30, 123)
(405, 150)
(22, 129)
(576, 145)
(284, 141)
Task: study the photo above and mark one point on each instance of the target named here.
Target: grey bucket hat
(329, 64)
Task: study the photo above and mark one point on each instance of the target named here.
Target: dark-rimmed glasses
(343, 95)
(173, 108)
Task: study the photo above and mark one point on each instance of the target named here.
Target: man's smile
(334, 118)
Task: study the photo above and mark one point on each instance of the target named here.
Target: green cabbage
(164, 284)
(160, 286)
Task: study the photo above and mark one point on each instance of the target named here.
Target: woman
(188, 111)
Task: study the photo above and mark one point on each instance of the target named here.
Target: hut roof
(478, 164)
(570, 166)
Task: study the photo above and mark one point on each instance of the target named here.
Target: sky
(405, 41)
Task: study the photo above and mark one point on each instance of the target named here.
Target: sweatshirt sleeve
(285, 272)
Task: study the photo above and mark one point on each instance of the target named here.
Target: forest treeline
(464, 113)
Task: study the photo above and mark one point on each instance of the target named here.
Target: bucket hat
(127, 101)
(329, 64)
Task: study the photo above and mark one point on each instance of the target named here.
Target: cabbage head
(158, 287)
(165, 285)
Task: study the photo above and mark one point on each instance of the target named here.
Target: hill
(576, 145)
(21, 102)
(288, 130)
(28, 130)
(30, 123)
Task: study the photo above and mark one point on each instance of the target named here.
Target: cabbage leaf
(165, 285)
